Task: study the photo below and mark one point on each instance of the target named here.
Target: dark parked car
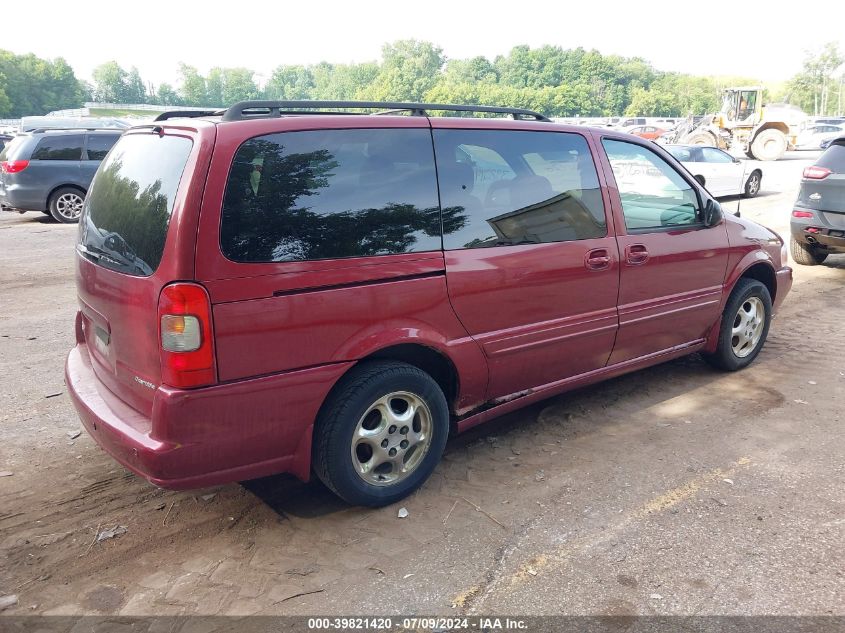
(4, 140)
(278, 290)
(50, 170)
(818, 217)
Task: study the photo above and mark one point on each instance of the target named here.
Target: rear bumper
(817, 231)
(16, 197)
(209, 436)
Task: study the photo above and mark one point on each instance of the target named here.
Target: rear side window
(833, 158)
(64, 147)
(501, 188)
(100, 144)
(127, 209)
(327, 194)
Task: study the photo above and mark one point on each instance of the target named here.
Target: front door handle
(597, 259)
(636, 254)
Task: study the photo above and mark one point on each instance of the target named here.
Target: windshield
(127, 210)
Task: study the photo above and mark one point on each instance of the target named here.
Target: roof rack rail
(245, 110)
(186, 114)
(38, 130)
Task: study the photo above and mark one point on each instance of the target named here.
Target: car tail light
(816, 173)
(802, 214)
(187, 351)
(13, 166)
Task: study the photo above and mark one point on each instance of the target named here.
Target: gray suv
(50, 170)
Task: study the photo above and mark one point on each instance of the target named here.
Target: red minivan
(288, 287)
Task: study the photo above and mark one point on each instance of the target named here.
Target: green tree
(136, 92)
(32, 85)
(237, 85)
(290, 83)
(167, 95)
(110, 83)
(816, 89)
(193, 88)
(408, 70)
(214, 87)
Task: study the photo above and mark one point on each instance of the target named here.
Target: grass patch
(121, 113)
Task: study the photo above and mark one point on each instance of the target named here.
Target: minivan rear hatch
(125, 256)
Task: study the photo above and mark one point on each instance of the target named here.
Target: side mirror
(712, 213)
(737, 161)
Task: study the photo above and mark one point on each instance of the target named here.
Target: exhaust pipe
(811, 239)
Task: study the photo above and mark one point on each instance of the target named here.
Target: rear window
(834, 157)
(326, 194)
(64, 147)
(12, 147)
(127, 210)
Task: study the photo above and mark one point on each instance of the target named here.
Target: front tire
(752, 185)
(381, 433)
(769, 145)
(805, 254)
(66, 205)
(744, 326)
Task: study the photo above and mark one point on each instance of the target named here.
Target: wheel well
(765, 275)
(430, 361)
(55, 189)
(780, 127)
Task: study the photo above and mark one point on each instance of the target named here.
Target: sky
(765, 41)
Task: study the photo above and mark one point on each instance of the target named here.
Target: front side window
(504, 187)
(327, 194)
(711, 155)
(64, 147)
(100, 144)
(653, 194)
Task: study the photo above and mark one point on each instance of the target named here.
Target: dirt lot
(676, 490)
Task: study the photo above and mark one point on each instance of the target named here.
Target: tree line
(549, 79)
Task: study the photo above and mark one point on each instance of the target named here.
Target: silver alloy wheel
(391, 438)
(748, 326)
(753, 184)
(69, 205)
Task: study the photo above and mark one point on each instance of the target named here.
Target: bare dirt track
(676, 490)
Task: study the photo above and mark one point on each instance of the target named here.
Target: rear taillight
(187, 352)
(816, 173)
(13, 166)
(802, 214)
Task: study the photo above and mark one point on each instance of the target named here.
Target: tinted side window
(499, 188)
(65, 147)
(100, 144)
(331, 193)
(653, 194)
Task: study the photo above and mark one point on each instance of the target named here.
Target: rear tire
(769, 145)
(702, 138)
(744, 326)
(805, 254)
(381, 433)
(66, 205)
